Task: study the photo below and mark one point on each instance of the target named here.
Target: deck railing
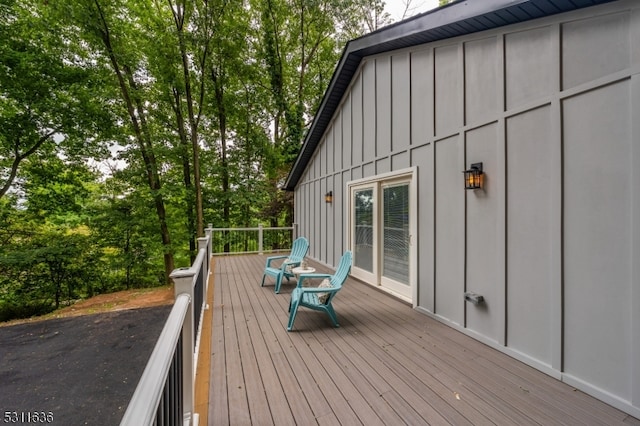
(165, 394)
(251, 240)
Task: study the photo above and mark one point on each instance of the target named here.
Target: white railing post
(203, 244)
(260, 235)
(209, 234)
(183, 283)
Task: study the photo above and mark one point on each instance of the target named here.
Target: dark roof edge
(420, 29)
(346, 54)
(440, 17)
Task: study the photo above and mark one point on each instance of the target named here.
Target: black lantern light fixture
(328, 197)
(473, 176)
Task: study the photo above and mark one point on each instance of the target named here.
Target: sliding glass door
(380, 212)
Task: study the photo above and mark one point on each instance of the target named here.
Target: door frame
(410, 175)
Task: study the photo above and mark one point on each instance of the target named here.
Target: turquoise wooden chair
(319, 298)
(299, 250)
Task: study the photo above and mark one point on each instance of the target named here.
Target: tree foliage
(45, 92)
(125, 125)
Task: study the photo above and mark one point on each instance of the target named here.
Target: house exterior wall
(552, 241)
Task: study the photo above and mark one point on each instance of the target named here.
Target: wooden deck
(386, 365)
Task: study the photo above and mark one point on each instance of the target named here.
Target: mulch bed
(81, 370)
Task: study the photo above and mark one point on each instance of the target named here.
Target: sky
(397, 7)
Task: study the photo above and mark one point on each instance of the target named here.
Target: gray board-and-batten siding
(549, 103)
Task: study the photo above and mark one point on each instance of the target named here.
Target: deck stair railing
(165, 394)
(252, 240)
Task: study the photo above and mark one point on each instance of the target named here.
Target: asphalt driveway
(76, 371)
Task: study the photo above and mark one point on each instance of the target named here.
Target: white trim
(408, 172)
(410, 176)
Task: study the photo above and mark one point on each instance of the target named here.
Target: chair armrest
(277, 257)
(271, 258)
(319, 289)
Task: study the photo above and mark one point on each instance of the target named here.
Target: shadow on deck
(386, 364)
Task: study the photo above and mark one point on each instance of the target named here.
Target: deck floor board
(386, 364)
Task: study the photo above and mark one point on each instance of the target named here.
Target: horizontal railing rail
(158, 379)
(251, 240)
(165, 394)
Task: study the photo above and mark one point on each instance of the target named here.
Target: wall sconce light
(328, 197)
(473, 177)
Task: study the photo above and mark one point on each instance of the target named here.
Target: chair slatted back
(342, 271)
(299, 249)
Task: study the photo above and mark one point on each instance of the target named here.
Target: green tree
(354, 18)
(111, 30)
(121, 230)
(55, 190)
(43, 264)
(48, 244)
(178, 64)
(201, 121)
(48, 100)
(296, 36)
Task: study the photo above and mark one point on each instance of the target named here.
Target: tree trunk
(179, 20)
(222, 127)
(20, 157)
(143, 139)
(186, 174)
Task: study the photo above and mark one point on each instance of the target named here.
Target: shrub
(13, 309)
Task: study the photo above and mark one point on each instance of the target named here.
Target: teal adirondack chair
(319, 298)
(299, 250)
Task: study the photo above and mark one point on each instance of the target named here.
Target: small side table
(299, 270)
